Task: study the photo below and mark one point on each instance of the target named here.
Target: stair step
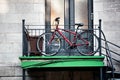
(116, 74)
(108, 69)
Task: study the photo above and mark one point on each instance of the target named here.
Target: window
(57, 10)
(70, 12)
(81, 12)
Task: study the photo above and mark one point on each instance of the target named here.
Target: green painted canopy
(61, 61)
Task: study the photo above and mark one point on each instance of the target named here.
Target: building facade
(34, 12)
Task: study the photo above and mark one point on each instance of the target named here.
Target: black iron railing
(33, 31)
(109, 52)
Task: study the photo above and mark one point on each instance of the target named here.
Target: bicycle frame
(66, 39)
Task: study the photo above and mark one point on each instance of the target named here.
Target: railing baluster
(100, 37)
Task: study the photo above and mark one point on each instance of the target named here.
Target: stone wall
(11, 14)
(109, 12)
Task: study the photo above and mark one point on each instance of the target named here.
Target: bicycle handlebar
(79, 25)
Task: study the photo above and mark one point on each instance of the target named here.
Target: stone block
(105, 17)
(6, 47)
(20, 1)
(10, 47)
(34, 19)
(14, 37)
(112, 36)
(11, 8)
(98, 6)
(10, 58)
(39, 1)
(111, 26)
(39, 8)
(24, 8)
(24, 1)
(10, 28)
(108, 1)
(8, 18)
(10, 71)
(3, 37)
(4, 8)
(10, 78)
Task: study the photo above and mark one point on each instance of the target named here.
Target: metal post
(23, 54)
(90, 14)
(100, 36)
(71, 21)
(66, 21)
(23, 75)
(101, 73)
(23, 25)
(47, 15)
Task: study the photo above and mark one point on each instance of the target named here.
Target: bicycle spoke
(49, 48)
(87, 41)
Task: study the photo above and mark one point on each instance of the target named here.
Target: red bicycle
(85, 41)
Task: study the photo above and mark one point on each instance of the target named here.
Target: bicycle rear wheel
(93, 43)
(45, 47)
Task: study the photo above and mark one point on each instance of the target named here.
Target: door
(70, 12)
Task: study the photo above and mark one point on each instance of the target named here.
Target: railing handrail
(111, 43)
(111, 51)
(112, 58)
(55, 25)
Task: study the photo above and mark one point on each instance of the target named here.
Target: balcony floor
(61, 61)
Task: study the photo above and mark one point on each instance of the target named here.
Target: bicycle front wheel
(48, 44)
(89, 43)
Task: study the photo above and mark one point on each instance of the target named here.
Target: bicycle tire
(88, 49)
(48, 49)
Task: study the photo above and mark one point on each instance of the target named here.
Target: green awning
(61, 61)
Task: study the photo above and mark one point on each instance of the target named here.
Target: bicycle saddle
(79, 24)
